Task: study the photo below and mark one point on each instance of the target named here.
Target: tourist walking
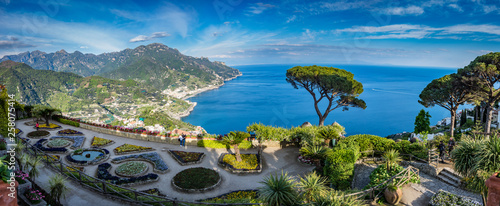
(441, 151)
(182, 141)
(37, 126)
(451, 144)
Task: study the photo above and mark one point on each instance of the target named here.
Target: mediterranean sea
(262, 94)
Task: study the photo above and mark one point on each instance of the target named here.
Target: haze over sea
(263, 95)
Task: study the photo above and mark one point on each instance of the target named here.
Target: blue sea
(262, 94)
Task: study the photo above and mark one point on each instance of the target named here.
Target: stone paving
(274, 161)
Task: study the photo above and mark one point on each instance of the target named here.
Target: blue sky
(438, 33)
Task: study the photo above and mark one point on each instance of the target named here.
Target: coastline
(196, 92)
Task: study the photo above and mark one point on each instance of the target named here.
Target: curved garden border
(48, 128)
(103, 173)
(135, 175)
(40, 146)
(134, 151)
(231, 169)
(37, 137)
(196, 190)
(75, 134)
(67, 144)
(159, 166)
(92, 162)
(176, 158)
(77, 140)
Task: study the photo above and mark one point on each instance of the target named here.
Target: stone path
(275, 160)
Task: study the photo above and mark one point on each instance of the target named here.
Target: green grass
(219, 145)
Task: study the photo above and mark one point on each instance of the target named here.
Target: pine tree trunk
(237, 153)
(452, 127)
(322, 121)
(327, 142)
(489, 115)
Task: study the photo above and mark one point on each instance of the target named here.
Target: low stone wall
(424, 167)
(162, 139)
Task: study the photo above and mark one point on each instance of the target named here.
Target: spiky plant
(58, 188)
(234, 139)
(34, 171)
(312, 184)
(391, 158)
(465, 156)
(278, 190)
(336, 198)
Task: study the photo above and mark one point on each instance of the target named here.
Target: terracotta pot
(393, 197)
(8, 194)
(493, 184)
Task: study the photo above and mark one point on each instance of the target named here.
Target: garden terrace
(128, 149)
(196, 179)
(103, 173)
(84, 157)
(38, 134)
(186, 158)
(159, 165)
(40, 145)
(101, 142)
(250, 163)
(69, 132)
(77, 140)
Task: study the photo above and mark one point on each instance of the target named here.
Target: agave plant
(465, 156)
(335, 198)
(312, 184)
(278, 190)
(315, 152)
(391, 158)
(34, 171)
(58, 188)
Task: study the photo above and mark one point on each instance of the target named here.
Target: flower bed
(247, 196)
(75, 168)
(103, 173)
(154, 191)
(77, 140)
(187, 158)
(69, 132)
(38, 134)
(33, 123)
(305, 160)
(18, 132)
(34, 196)
(48, 127)
(445, 198)
(159, 165)
(131, 169)
(250, 163)
(20, 177)
(129, 148)
(39, 145)
(103, 156)
(101, 142)
(58, 143)
(51, 158)
(196, 179)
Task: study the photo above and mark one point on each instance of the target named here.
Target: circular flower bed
(132, 169)
(84, 157)
(38, 134)
(196, 179)
(69, 132)
(58, 143)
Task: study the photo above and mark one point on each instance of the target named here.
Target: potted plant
(493, 184)
(393, 194)
(8, 186)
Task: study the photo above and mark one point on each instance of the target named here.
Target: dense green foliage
(448, 92)
(422, 122)
(264, 132)
(339, 164)
(278, 190)
(338, 86)
(234, 139)
(65, 121)
(220, 145)
(166, 121)
(4, 116)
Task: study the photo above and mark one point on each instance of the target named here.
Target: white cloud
(155, 35)
(258, 8)
(84, 47)
(456, 7)
(403, 11)
(291, 19)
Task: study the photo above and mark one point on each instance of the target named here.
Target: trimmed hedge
(65, 121)
(219, 145)
(339, 164)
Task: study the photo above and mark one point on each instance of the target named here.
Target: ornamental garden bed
(69, 132)
(38, 134)
(59, 143)
(84, 157)
(77, 140)
(51, 158)
(33, 123)
(40, 145)
(187, 158)
(238, 196)
(154, 191)
(444, 198)
(305, 160)
(132, 169)
(101, 142)
(250, 163)
(129, 149)
(196, 179)
(18, 132)
(154, 158)
(75, 168)
(51, 126)
(103, 173)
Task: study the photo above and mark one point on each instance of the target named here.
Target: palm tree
(334, 131)
(45, 111)
(336, 198)
(315, 152)
(234, 139)
(391, 158)
(58, 188)
(34, 171)
(278, 190)
(312, 184)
